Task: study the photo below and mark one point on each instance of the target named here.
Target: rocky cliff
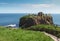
(32, 19)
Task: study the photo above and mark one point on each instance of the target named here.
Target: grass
(47, 27)
(54, 30)
(9, 34)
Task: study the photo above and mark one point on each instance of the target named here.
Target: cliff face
(30, 20)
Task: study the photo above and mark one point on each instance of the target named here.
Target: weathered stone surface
(30, 20)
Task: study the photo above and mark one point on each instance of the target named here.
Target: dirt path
(52, 36)
(59, 39)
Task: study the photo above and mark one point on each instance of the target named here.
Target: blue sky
(29, 6)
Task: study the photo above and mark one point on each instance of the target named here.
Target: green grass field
(9, 34)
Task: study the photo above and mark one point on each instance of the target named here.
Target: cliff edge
(33, 19)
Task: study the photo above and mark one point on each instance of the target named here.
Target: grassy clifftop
(9, 34)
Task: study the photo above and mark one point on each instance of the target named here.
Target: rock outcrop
(30, 20)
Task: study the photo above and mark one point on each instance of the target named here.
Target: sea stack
(32, 19)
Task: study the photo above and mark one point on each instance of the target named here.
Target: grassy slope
(54, 30)
(47, 27)
(7, 34)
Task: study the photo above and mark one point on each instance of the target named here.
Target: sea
(11, 18)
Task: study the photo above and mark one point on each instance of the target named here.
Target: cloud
(50, 8)
(37, 6)
(41, 5)
(31, 8)
(3, 3)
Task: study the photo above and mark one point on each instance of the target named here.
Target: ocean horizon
(7, 19)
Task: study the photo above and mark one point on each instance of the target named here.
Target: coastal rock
(30, 20)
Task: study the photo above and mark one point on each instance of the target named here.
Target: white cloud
(3, 3)
(37, 5)
(41, 5)
(32, 8)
